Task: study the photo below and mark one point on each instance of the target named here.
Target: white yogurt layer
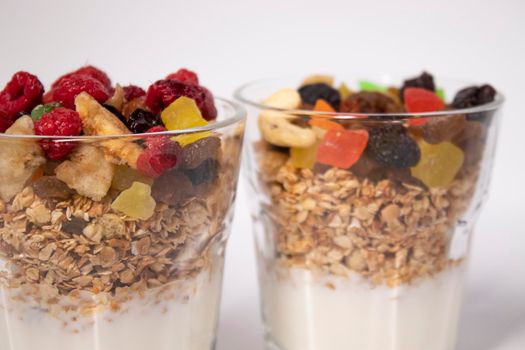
(186, 322)
(303, 312)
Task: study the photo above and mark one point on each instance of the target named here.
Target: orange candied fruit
(342, 148)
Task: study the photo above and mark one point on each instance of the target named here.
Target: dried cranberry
(164, 92)
(132, 91)
(21, 94)
(141, 121)
(312, 92)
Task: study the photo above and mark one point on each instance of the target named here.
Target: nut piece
(318, 78)
(88, 172)
(277, 129)
(118, 99)
(96, 120)
(18, 158)
(287, 98)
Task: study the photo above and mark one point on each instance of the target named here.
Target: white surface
(231, 41)
(351, 314)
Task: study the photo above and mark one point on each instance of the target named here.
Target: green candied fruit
(40, 110)
(136, 202)
(366, 85)
(439, 164)
(440, 92)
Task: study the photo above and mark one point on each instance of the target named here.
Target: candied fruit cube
(304, 158)
(136, 202)
(342, 148)
(366, 85)
(323, 121)
(183, 113)
(438, 164)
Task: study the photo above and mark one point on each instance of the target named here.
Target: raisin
(441, 129)
(370, 102)
(424, 81)
(206, 172)
(475, 96)
(197, 152)
(313, 92)
(51, 187)
(173, 187)
(116, 112)
(141, 120)
(390, 146)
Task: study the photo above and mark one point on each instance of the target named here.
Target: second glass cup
(363, 220)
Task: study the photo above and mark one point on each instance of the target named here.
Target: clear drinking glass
(368, 257)
(77, 272)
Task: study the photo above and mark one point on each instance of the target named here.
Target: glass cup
(370, 255)
(94, 255)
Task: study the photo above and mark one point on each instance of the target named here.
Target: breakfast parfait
(366, 199)
(115, 205)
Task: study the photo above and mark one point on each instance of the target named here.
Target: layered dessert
(368, 196)
(115, 205)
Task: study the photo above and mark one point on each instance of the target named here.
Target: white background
(230, 42)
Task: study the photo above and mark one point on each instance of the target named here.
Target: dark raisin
(197, 152)
(475, 96)
(424, 81)
(116, 112)
(390, 146)
(313, 92)
(141, 120)
(173, 188)
(74, 225)
(204, 173)
(369, 168)
(370, 102)
(441, 129)
(50, 187)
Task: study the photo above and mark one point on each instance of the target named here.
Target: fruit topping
(423, 81)
(342, 148)
(313, 92)
(365, 85)
(197, 152)
(344, 91)
(418, 100)
(116, 113)
(160, 154)
(21, 94)
(369, 102)
(474, 96)
(136, 202)
(59, 122)
(40, 110)
(323, 121)
(68, 88)
(183, 113)
(125, 176)
(390, 146)
(132, 91)
(50, 187)
(97, 120)
(439, 163)
(141, 120)
(318, 78)
(184, 75)
(162, 93)
(19, 159)
(87, 172)
(304, 158)
(181, 187)
(90, 71)
(444, 128)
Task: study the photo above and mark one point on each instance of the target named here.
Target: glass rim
(239, 113)
(240, 95)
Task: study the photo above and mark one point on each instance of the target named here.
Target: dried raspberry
(22, 93)
(162, 93)
(132, 91)
(160, 154)
(69, 87)
(184, 75)
(90, 71)
(58, 122)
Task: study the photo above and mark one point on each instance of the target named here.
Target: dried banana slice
(96, 120)
(18, 158)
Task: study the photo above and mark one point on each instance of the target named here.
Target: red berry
(160, 154)
(58, 122)
(22, 93)
(69, 87)
(164, 92)
(418, 100)
(132, 91)
(185, 75)
(90, 71)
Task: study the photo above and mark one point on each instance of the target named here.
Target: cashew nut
(277, 129)
(285, 99)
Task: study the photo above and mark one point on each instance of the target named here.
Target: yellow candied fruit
(304, 158)
(183, 113)
(439, 164)
(136, 202)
